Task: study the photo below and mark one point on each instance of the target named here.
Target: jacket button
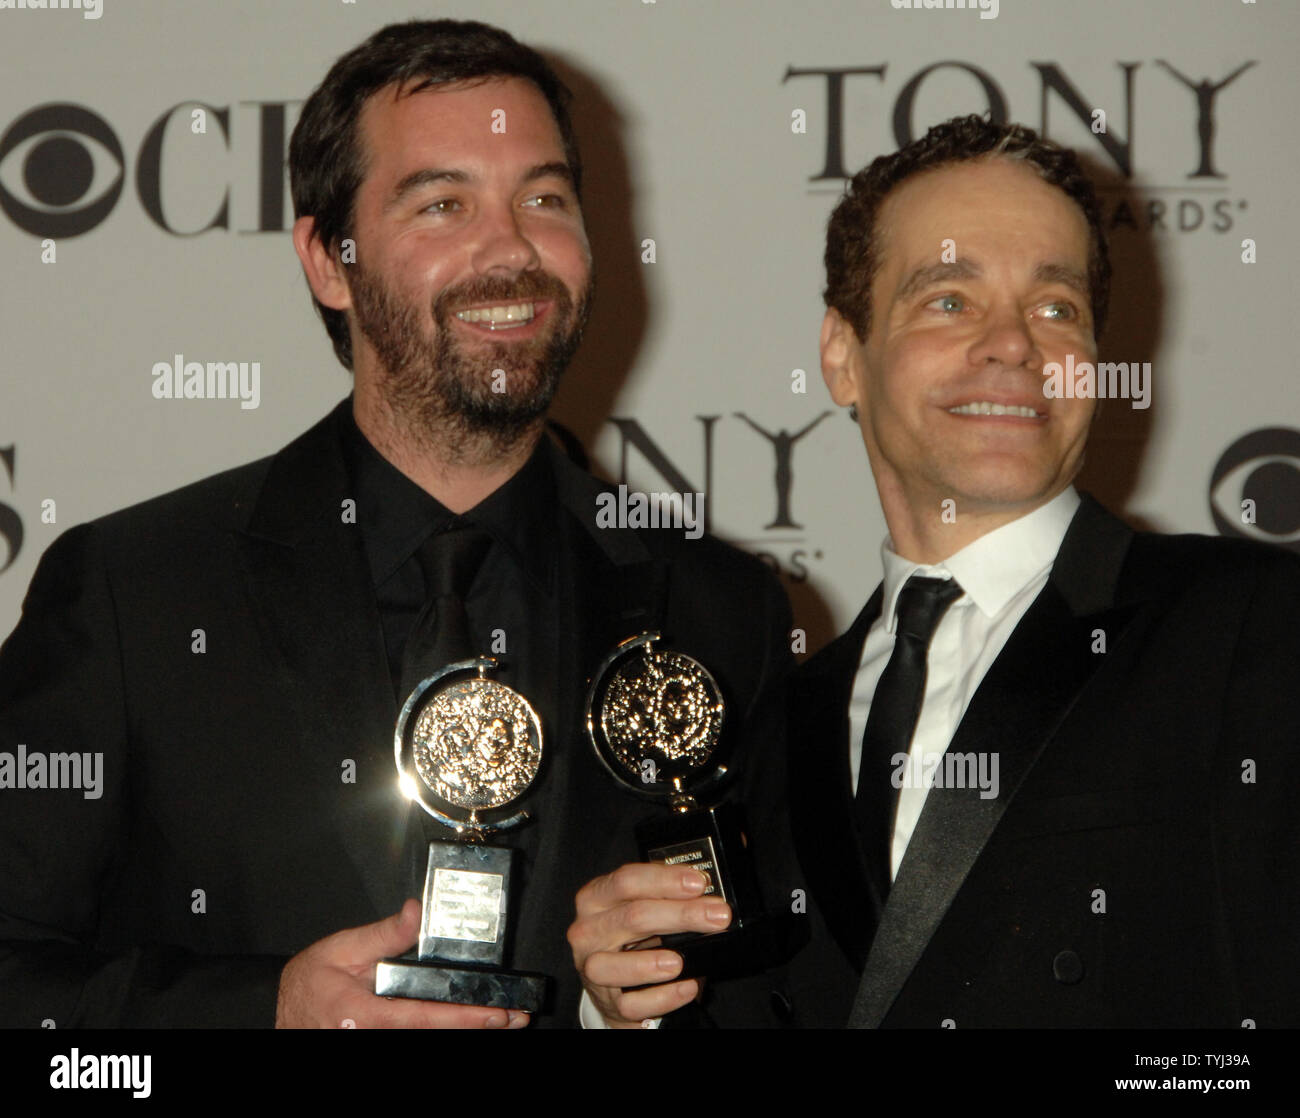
(782, 1007)
(1067, 968)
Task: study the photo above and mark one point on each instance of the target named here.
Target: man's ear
(838, 346)
(323, 270)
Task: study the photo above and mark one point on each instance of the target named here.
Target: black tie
(449, 560)
(895, 708)
(440, 636)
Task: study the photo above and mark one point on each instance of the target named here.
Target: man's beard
(465, 402)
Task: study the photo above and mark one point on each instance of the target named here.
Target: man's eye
(442, 206)
(548, 201)
(950, 304)
(1060, 312)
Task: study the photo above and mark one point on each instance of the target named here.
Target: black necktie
(440, 636)
(895, 708)
(449, 560)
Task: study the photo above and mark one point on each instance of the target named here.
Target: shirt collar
(996, 567)
(395, 515)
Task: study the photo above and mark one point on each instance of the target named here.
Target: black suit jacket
(224, 770)
(1140, 866)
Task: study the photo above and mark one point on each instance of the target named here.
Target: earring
(853, 412)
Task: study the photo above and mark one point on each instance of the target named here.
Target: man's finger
(638, 880)
(384, 938)
(634, 921)
(631, 968)
(411, 1013)
(657, 1001)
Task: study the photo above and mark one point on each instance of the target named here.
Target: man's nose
(1006, 340)
(502, 246)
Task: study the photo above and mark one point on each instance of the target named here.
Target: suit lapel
(306, 572)
(1022, 700)
(821, 799)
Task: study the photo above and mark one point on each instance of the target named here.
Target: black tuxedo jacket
(1140, 866)
(224, 770)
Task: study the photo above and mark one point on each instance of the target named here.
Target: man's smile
(988, 409)
(521, 319)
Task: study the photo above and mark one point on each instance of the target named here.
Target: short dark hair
(852, 247)
(326, 163)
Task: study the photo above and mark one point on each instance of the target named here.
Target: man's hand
(635, 904)
(331, 985)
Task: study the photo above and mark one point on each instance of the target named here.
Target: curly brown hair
(852, 249)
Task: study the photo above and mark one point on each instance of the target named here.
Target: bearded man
(250, 807)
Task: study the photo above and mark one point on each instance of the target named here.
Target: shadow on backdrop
(619, 313)
(1121, 433)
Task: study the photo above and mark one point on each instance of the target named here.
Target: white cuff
(589, 1016)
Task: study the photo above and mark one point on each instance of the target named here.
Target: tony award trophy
(467, 748)
(655, 718)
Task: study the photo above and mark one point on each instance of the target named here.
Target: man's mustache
(525, 288)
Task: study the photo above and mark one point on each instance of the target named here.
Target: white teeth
(983, 407)
(516, 313)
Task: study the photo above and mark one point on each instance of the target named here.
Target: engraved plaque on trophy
(467, 748)
(655, 718)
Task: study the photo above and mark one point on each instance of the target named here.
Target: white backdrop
(686, 111)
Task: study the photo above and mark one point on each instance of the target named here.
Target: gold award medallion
(477, 744)
(661, 703)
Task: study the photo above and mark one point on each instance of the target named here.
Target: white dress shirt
(1001, 574)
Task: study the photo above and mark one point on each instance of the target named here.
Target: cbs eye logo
(45, 154)
(1263, 468)
(62, 169)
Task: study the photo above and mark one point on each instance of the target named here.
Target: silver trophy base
(460, 985)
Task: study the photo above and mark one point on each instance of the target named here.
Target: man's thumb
(394, 934)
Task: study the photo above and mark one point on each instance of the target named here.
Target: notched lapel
(307, 576)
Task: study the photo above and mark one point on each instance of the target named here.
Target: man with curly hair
(1044, 779)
